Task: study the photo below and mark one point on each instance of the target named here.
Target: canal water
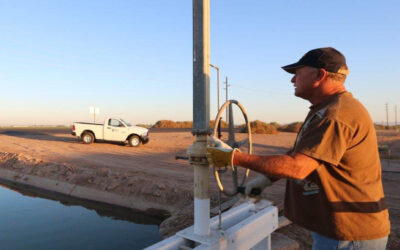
(29, 221)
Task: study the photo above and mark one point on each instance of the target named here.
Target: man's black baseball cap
(328, 58)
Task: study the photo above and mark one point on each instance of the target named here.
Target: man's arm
(295, 166)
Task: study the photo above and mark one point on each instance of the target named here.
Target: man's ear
(322, 74)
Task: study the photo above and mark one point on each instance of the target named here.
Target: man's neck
(321, 97)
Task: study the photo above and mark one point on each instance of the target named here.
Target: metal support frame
(246, 226)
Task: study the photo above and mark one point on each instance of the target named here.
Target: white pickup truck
(113, 129)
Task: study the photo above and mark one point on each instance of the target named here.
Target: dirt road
(150, 172)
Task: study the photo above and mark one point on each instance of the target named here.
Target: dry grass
(259, 127)
(144, 125)
(291, 127)
(46, 127)
(384, 127)
(184, 124)
(223, 124)
(172, 124)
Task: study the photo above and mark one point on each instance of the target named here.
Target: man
(334, 187)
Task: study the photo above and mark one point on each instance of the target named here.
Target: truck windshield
(127, 123)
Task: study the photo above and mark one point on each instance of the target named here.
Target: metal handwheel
(234, 144)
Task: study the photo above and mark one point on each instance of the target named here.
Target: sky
(133, 59)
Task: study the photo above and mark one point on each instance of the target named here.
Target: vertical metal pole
(201, 115)
(226, 96)
(387, 116)
(218, 88)
(215, 67)
(231, 136)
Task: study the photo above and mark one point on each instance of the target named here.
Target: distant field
(35, 127)
(42, 129)
(67, 130)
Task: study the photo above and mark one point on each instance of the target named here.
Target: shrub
(144, 125)
(172, 124)
(164, 124)
(259, 127)
(291, 127)
(223, 124)
(183, 124)
(381, 126)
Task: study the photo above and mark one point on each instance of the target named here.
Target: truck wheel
(87, 137)
(134, 141)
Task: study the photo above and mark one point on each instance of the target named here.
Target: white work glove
(257, 185)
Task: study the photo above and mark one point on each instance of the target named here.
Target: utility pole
(226, 96)
(387, 116)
